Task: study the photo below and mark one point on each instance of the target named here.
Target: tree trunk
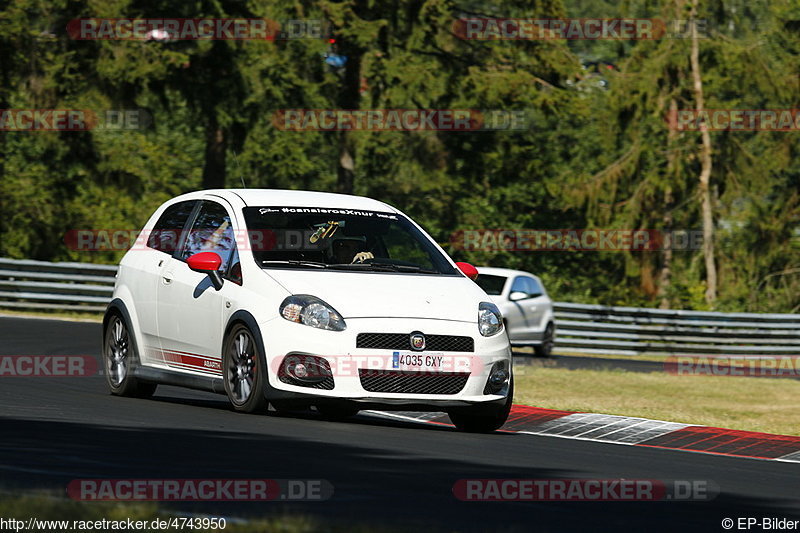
(646, 282)
(705, 171)
(216, 150)
(665, 276)
(349, 98)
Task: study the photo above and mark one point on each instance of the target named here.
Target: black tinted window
(234, 270)
(491, 284)
(167, 231)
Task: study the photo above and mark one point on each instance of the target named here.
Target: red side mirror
(470, 271)
(204, 262)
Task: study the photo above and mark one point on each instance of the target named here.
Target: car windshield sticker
(325, 231)
(325, 211)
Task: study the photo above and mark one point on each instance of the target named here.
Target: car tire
(483, 423)
(120, 359)
(242, 371)
(545, 349)
(337, 412)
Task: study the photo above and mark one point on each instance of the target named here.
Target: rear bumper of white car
(451, 374)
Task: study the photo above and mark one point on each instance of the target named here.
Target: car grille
(405, 382)
(402, 341)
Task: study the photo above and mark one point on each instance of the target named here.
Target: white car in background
(526, 308)
(305, 299)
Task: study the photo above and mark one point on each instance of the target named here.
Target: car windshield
(491, 284)
(341, 239)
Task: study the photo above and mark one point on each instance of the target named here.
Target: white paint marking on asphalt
(605, 428)
(591, 427)
(584, 426)
(650, 429)
(793, 457)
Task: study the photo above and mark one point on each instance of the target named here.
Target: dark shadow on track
(404, 490)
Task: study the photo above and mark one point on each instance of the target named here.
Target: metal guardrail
(36, 285)
(634, 331)
(581, 328)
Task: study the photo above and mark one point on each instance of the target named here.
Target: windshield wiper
(362, 266)
(382, 267)
(293, 262)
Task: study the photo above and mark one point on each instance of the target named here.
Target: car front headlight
(311, 311)
(490, 321)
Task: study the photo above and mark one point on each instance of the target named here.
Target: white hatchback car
(305, 299)
(525, 306)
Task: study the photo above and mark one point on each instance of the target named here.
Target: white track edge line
(794, 461)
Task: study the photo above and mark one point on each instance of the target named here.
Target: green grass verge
(770, 405)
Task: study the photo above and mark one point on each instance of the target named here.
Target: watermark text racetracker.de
(428, 365)
(532, 29)
(74, 119)
(772, 366)
(40, 366)
(531, 240)
(734, 120)
(177, 523)
(192, 29)
(165, 239)
(586, 490)
(489, 240)
(452, 120)
(200, 490)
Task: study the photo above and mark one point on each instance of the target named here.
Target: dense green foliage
(593, 157)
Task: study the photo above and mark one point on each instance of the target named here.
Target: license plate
(417, 361)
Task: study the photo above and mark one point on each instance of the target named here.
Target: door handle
(167, 278)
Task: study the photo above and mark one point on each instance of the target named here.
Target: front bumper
(339, 348)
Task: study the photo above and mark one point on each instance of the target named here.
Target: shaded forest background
(599, 153)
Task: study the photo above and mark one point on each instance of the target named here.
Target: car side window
(167, 231)
(519, 285)
(534, 287)
(234, 270)
(211, 232)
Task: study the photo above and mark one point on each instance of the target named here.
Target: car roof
(293, 198)
(507, 272)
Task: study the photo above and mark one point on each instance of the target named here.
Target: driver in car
(346, 250)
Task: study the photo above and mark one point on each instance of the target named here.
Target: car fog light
(300, 371)
(306, 371)
(499, 378)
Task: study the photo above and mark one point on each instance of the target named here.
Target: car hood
(374, 295)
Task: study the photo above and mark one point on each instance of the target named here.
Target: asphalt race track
(398, 475)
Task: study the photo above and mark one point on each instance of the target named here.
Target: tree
(706, 164)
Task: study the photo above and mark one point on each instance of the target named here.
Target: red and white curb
(634, 432)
